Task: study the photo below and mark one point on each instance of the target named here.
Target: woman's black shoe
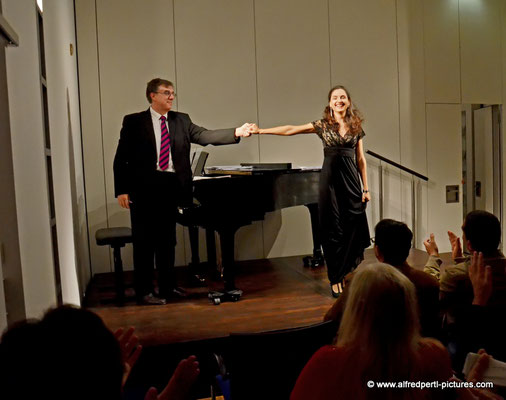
(338, 289)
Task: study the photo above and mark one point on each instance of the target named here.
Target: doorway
(482, 159)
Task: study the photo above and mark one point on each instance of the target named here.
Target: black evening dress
(343, 221)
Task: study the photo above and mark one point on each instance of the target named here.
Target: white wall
(480, 51)
(96, 199)
(410, 43)
(442, 58)
(27, 133)
(503, 45)
(30, 173)
(3, 308)
(444, 160)
(292, 89)
(272, 62)
(64, 124)
(464, 64)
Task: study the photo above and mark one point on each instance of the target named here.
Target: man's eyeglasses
(167, 93)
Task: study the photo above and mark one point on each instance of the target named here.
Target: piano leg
(211, 249)
(196, 277)
(317, 259)
(227, 243)
(230, 293)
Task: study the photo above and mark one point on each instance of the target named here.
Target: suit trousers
(153, 217)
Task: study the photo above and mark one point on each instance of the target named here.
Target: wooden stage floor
(278, 293)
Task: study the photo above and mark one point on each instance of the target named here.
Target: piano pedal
(219, 297)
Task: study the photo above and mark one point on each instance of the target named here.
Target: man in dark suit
(152, 176)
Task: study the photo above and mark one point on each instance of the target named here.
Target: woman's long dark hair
(353, 116)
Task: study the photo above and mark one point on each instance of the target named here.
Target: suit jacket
(136, 156)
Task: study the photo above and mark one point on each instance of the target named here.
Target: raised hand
(481, 279)
(431, 246)
(180, 383)
(130, 349)
(456, 247)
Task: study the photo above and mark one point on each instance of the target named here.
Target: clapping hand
(456, 247)
(431, 246)
(180, 383)
(130, 349)
(481, 279)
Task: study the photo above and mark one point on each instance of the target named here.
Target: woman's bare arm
(362, 167)
(287, 130)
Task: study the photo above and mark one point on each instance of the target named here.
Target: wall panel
(91, 114)
(411, 103)
(27, 135)
(216, 81)
(442, 58)
(364, 59)
(444, 167)
(216, 70)
(503, 43)
(480, 49)
(293, 82)
(64, 124)
(135, 45)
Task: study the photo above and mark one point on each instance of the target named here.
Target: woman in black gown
(342, 202)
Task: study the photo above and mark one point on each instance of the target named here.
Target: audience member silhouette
(378, 341)
(71, 354)
(481, 233)
(392, 244)
(482, 326)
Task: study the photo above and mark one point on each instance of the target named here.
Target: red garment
(328, 376)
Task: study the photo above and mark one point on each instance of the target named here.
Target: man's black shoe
(176, 293)
(151, 300)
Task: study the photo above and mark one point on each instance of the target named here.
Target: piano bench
(116, 238)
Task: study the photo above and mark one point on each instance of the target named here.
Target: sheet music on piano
(198, 161)
(229, 170)
(252, 169)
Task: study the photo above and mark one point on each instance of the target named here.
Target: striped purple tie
(163, 160)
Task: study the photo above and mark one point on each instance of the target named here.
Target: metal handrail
(402, 167)
(8, 32)
(413, 189)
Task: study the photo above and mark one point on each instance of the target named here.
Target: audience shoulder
(432, 344)
(426, 279)
(433, 351)
(327, 353)
(454, 273)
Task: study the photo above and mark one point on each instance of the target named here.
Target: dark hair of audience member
(20, 354)
(71, 354)
(380, 325)
(393, 239)
(483, 230)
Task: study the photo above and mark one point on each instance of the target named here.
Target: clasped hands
(246, 130)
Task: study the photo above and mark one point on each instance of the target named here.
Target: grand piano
(231, 197)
